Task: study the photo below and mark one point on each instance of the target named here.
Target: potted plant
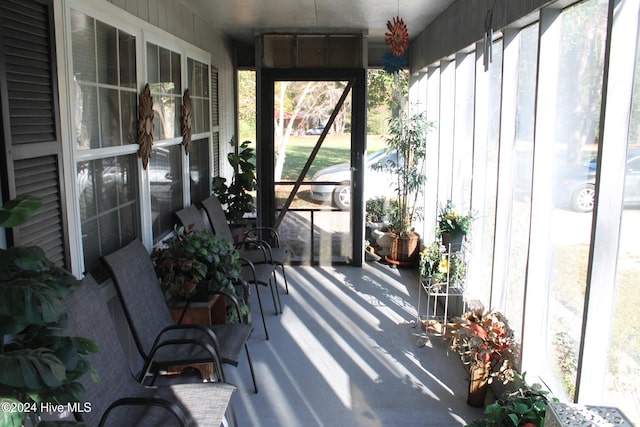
(438, 267)
(407, 144)
(236, 195)
(453, 226)
(526, 407)
(487, 346)
(38, 363)
(192, 263)
(375, 214)
(374, 208)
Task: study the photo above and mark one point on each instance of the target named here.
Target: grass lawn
(335, 149)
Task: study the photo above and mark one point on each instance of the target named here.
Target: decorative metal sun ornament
(145, 126)
(398, 37)
(185, 121)
(392, 64)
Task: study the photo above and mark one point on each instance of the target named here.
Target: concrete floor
(344, 354)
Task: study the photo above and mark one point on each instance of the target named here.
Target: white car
(339, 191)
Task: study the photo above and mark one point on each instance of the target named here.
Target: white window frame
(144, 32)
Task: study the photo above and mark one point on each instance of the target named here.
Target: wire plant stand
(436, 314)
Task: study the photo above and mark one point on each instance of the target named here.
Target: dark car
(576, 186)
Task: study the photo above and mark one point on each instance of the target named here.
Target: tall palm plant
(407, 144)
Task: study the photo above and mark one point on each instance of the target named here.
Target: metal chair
(219, 224)
(117, 399)
(150, 320)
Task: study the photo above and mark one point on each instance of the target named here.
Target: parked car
(315, 131)
(576, 186)
(376, 182)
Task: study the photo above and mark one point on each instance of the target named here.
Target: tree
(309, 104)
(303, 105)
(247, 105)
(282, 133)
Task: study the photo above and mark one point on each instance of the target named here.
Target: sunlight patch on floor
(326, 365)
(342, 343)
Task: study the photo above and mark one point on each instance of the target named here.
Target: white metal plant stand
(438, 292)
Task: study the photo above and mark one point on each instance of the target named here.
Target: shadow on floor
(343, 353)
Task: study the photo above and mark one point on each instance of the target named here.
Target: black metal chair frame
(121, 400)
(145, 309)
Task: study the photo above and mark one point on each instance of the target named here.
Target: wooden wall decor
(186, 121)
(145, 126)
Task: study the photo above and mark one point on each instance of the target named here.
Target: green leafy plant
(526, 406)
(375, 209)
(407, 143)
(452, 222)
(18, 211)
(435, 264)
(566, 360)
(37, 362)
(199, 261)
(236, 195)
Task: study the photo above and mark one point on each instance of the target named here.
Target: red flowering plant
(485, 339)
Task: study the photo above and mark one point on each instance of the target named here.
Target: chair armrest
(204, 329)
(213, 350)
(245, 261)
(210, 340)
(171, 407)
(264, 246)
(234, 302)
(257, 233)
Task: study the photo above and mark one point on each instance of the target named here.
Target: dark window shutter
(215, 117)
(39, 176)
(215, 122)
(215, 142)
(30, 123)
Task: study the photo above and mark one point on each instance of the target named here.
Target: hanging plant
(398, 36)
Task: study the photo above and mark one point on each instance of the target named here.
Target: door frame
(265, 79)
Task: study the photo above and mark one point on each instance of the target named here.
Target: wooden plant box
(213, 311)
(210, 312)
